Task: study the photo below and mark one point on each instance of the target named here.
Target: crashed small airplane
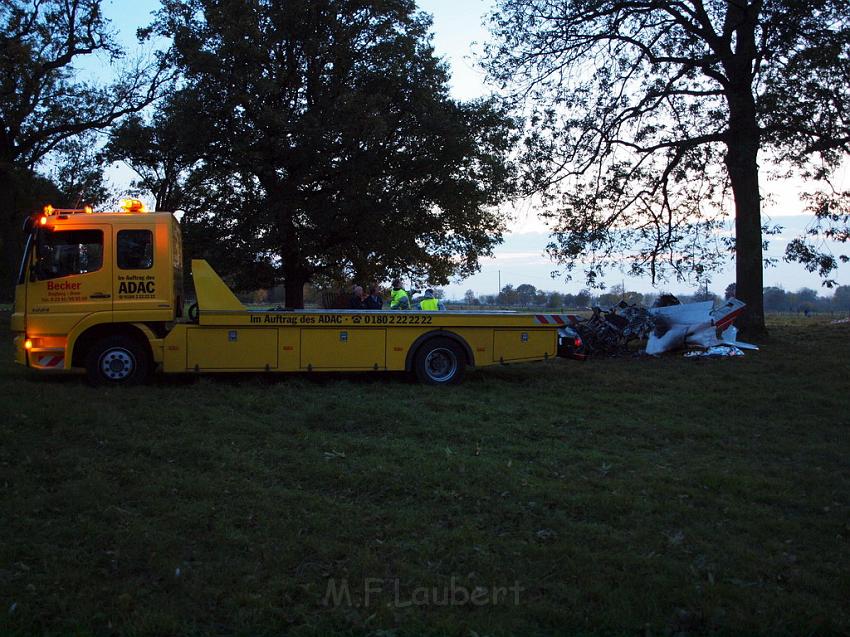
(668, 327)
(695, 325)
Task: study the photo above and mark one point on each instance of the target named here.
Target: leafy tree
(77, 171)
(641, 111)
(583, 298)
(220, 223)
(507, 295)
(617, 294)
(841, 300)
(704, 294)
(802, 300)
(831, 210)
(161, 151)
(807, 295)
(525, 294)
(775, 300)
(331, 121)
(469, 298)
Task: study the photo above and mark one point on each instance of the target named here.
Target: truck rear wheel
(117, 360)
(439, 361)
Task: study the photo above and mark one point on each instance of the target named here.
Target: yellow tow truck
(103, 293)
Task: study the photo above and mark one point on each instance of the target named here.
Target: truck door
(143, 275)
(71, 277)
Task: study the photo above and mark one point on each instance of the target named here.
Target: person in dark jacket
(358, 299)
(374, 300)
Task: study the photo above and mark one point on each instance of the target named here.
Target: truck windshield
(67, 252)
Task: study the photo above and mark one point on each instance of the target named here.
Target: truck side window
(67, 252)
(135, 249)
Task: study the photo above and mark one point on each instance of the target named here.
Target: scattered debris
(610, 331)
(668, 325)
(715, 351)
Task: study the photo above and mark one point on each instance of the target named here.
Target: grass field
(614, 496)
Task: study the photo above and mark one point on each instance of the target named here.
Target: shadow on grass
(229, 379)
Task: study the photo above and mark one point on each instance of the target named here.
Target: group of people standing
(362, 301)
(399, 299)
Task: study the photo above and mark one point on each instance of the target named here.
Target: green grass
(622, 496)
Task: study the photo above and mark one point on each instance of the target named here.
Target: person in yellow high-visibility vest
(399, 299)
(428, 303)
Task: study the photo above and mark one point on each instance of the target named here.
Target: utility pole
(499, 291)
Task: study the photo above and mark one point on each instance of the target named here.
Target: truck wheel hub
(117, 364)
(440, 364)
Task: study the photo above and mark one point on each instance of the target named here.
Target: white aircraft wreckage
(666, 327)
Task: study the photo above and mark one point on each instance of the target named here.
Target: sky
(458, 32)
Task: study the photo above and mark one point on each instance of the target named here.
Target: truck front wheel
(439, 361)
(117, 360)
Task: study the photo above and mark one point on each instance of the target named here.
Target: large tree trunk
(742, 147)
(284, 197)
(293, 287)
(749, 268)
(295, 274)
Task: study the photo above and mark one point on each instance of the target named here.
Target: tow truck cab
(103, 293)
(85, 277)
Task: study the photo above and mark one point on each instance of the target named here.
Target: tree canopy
(329, 146)
(162, 150)
(643, 116)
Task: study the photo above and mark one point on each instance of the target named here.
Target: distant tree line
(806, 300)
(775, 299)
